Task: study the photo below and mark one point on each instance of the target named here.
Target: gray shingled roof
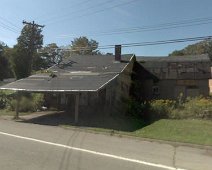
(79, 73)
(178, 67)
(186, 58)
(161, 62)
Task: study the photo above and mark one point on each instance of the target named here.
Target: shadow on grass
(105, 121)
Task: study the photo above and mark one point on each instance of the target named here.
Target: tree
(20, 62)
(5, 70)
(51, 54)
(202, 47)
(209, 49)
(177, 53)
(25, 51)
(3, 64)
(84, 46)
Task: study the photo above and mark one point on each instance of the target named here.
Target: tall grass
(191, 108)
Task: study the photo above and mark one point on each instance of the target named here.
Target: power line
(161, 42)
(57, 18)
(186, 21)
(154, 29)
(95, 12)
(139, 44)
(52, 17)
(6, 27)
(9, 22)
(163, 26)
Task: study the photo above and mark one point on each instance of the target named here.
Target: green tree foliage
(209, 49)
(177, 53)
(84, 46)
(3, 64)
(31, 38)
(51, 54)
(28, 102)
(25, 52)
(203, 47)
(5, 70)
(39, 63)
(20, 63)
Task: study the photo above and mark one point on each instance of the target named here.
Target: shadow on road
(115, 122)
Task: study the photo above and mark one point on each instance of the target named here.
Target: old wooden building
(176, 75)
(83, 83)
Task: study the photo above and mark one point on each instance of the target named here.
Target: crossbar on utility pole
(33, 24)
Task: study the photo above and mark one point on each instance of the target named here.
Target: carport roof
(78, 73)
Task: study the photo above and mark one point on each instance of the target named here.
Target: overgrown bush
(197, 107)
(161, 108)
(135, 108)
(5, 96)
(28, 103)
(3, 100)
(38, 100)
(194, 108)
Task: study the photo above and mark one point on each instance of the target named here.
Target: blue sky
(65, 20)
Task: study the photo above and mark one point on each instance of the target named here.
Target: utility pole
(32, 39)
(33, 24)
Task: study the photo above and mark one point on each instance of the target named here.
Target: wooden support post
(17, 105)
(66, 103)
(58, 101)
(76, 107)
(110, 103)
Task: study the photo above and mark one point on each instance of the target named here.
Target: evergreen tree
(25, 51)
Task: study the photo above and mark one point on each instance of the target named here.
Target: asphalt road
(27, 146)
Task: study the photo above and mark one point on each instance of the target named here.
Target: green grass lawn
(189, 131)
(186, 131)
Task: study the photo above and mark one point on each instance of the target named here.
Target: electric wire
(164, 26)
(56, 15)
(139, 44)
(8, 28)
(91, 13)
(9, 22)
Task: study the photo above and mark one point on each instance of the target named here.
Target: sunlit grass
(189, 131)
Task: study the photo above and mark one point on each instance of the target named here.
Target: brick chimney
(118, 53)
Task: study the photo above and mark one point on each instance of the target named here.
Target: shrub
(3, 100)
(136, 108)
(191, 108)
(197, 107)
(28, 103)
(5, 96)
(161, 108)
(38, 100)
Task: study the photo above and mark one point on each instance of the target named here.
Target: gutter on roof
(16, 89)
